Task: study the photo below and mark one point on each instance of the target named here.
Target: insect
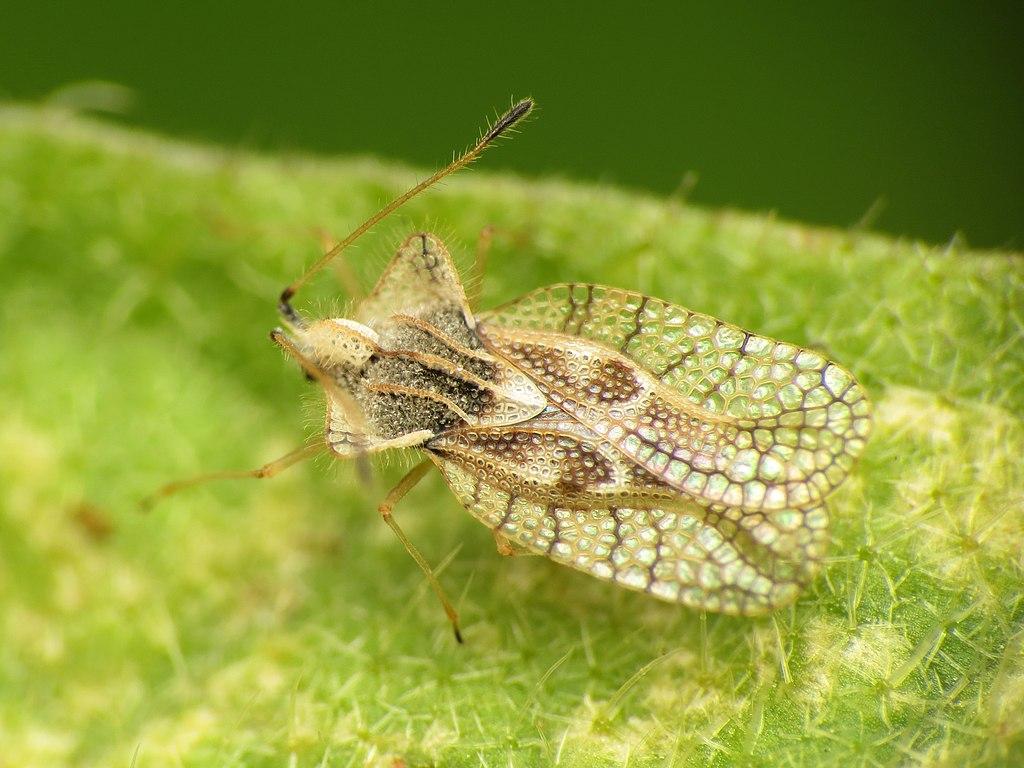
(626, 437)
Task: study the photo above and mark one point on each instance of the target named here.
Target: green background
(817, 113)
(280, 623)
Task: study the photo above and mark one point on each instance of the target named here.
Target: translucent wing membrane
(554, 487)
(420, 280)
(553, 458)
(718, 413)
(714, 558)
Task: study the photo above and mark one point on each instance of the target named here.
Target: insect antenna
(512, 117)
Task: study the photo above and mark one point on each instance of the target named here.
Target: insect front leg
(267, 470)
(405, 485)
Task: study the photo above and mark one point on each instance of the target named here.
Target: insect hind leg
(484, 241)
(507, 548)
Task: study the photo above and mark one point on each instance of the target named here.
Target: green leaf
(278, 622)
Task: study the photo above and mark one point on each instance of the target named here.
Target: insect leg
(343, 399)
(503, 545)
(507, 548)
(342, 268)
(404, 486)
(267, 470)
(483, 249)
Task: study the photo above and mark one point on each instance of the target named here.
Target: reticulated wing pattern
(719, 413)
(714, 558)
(420, 277)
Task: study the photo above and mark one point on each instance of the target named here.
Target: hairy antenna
(505, 122)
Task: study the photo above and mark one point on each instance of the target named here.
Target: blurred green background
(909, 113)
(249, 625)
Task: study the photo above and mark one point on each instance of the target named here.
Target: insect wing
(720, 414)
(420, 279)
(595, 520)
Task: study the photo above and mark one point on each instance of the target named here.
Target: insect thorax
(420, 381)
(411, 365)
